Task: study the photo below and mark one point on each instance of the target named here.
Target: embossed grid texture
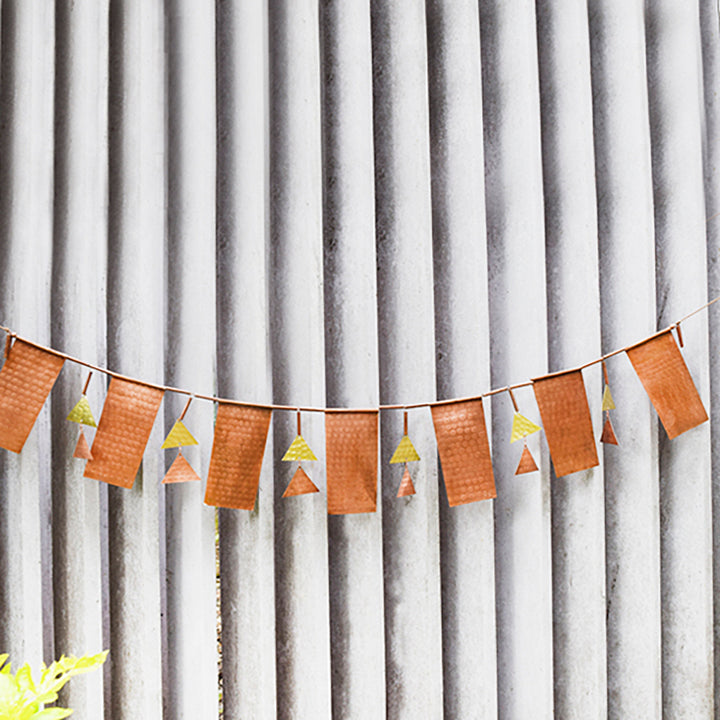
(26, 379)
(125, 425)
(237, 455)
(351, 446)
(565, 414)
(661, 368)
(464, 451)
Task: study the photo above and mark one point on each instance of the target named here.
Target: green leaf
(52, 714)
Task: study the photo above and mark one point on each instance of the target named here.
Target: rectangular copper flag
(464, 451)
(124, 429)
(237, 454)
(661, 368)
(566, 420)
(26, 379)
(351, 447)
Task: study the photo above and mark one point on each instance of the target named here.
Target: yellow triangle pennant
(405, 452)
(607, 401)
(521, 427)
(82, 413)
(179, 436)
(299, 450)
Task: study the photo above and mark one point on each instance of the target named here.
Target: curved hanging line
(301, 408)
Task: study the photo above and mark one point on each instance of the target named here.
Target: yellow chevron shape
(82, 413)
(522, 427)
(179, 436)
(405, 451)
(299, 450)
(607, 403)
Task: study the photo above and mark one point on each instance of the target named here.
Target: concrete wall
(353, 202)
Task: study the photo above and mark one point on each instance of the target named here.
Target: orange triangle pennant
(527, 462)
(608, 434)
(180, 471)
(82, 449)
(406, 486)
(300, 484)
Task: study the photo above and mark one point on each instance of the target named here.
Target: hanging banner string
(11, 335)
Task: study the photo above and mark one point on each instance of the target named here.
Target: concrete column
(461, 345)
(244, 369)
(356, 564)
(516, 260)
(413, 632)
(135, 343)
(78, 284)
(710, 37)
(676, 123)
(573, 292)
(190, 358)
(26, 219)
(296, 328)
(627, 287)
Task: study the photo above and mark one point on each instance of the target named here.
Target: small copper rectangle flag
(566, 420)
(464, 451)
(661, 368)
(351, 447)
(237, 454)
(26, 379)
(123, 432)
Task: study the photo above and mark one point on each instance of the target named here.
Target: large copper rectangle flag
(351, 447)
(566, 420)
(124, 429)
(464, 451)
(661, 368)
(26, 379)
(237, 454)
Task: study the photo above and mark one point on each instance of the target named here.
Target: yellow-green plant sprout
(23, 697)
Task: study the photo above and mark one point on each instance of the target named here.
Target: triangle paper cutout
(406, 486)
(521, 427)
(300, 484)
(608, 434)
(82, 413)
(179, 436)
(607, 401)
(405, 451)
(527, 462)
(180, 471)
(82, 449)
(299, 450)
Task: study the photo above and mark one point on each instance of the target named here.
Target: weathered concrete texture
(355, 550)
(462, 346)
(413, 662)
(296, 329)
(710, 38)
(676, 119)
(79, 266)
(244, 371)
(625, 228)
(135, 344)
(26, 186)
(190, 356)
(516, 260)
(573, 290)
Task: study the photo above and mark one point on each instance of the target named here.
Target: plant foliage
(23, 697)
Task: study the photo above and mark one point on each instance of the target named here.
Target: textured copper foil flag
(237, 454)
(82, 449)
(661, 368)
(351, 448)
(26, 379)
(566, 420)
(527, 462)
(125, 425)
(180, 471)
(464, 451)
(406, 486)
(300, 484)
